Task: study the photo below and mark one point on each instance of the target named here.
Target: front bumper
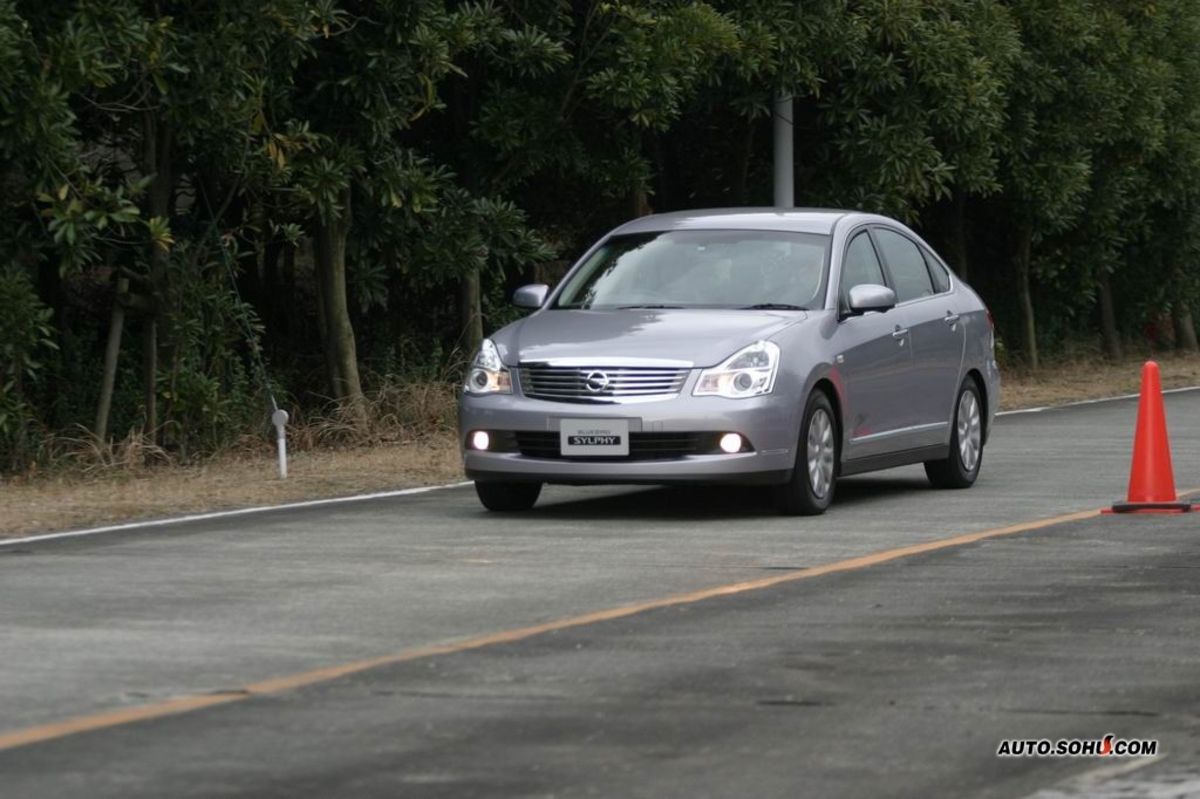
(768, 423)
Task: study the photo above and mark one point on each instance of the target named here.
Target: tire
(961, 467)
(810, 491)
(507, 496)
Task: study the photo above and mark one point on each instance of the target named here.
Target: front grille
(601, 384)
(642, 446)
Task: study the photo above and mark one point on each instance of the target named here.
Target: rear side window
(861, 265)
(941, 279)
(906, 264)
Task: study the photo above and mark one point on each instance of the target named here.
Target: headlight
(487, 374)
(748, 373)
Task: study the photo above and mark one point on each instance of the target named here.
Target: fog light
(480, 440)
(731, 443)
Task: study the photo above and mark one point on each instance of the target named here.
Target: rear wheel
(507, 496)
(810, 491)
(960, 469)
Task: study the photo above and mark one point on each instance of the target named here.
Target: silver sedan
(785, 348)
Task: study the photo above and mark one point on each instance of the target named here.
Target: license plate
(591, 437)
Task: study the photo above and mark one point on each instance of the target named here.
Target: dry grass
(75, 498)
(405, 442)
(401, 437)
(1073, 379)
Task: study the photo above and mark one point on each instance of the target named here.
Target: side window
(941, 280)
(906, 265)
(861, 265)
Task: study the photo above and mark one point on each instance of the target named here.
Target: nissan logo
(596, 382)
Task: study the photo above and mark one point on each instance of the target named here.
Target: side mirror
(531, 296)
(871, 297)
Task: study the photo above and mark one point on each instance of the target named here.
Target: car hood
(703, 337)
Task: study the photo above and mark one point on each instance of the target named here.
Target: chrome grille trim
(621, 383)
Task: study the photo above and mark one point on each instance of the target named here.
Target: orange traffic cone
(1151, 479)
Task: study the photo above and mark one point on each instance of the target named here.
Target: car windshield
(702, 269)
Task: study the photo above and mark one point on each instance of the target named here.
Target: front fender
(809, 367)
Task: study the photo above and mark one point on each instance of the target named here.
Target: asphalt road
(893, 679)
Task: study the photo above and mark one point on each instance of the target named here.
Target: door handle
(900, 332)
(951, 318)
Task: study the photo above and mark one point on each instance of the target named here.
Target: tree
(1165, 241)
(1047, 153)
(568, 101)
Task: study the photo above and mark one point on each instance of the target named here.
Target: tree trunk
(958, 235)
(50, 289)
(112, 352)
(741, 166)
(289, 289)
(156, 161)
(470, 309)
(150, 376)
(470, 286)
(660, 158)
(272, 305)
(1185, 329)
(1024, 296)
(340, 349)
(333, 375)
(1108, 320)
(639, 203)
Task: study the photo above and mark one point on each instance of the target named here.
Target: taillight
(991, 321)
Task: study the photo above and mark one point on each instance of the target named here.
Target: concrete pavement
(111, 622)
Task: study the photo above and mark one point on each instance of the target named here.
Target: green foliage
(24, 328)
(207, 387)
(655, 57)
(198, 150)
(25, 337)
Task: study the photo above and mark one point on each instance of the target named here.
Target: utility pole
(785, 190)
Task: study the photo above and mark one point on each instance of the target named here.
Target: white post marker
(280, 419)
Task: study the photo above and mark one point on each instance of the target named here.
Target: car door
(926, 308)
(871, 355)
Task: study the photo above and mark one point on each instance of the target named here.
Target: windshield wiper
(645, 307)
(773, 306)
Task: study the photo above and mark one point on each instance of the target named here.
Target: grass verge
(1070, 380)
(72, 499)
(333, 461)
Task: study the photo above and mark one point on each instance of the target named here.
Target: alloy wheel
(820, 452)
(970, 431)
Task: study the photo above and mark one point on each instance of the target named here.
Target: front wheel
(960, 469)
(503, 496)
(810, 491)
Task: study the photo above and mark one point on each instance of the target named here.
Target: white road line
(1038, 409)
(316, 503)
(1077, 403)
(226, 514)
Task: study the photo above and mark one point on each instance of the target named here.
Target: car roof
(794, 220)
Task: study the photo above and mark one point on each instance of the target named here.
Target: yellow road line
(187, 704)
(112, 718)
